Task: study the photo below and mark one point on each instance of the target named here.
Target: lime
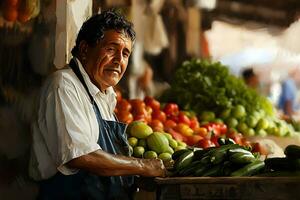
(150, 154)
(173, 143)
(133, 141)
(250, 132)
(181, 143)
(262, 133)
(242, 127)
(179, 148)
(168, 135)
(138, 151)
(232, 122)
(207, 116)
(251, 121)
(225, 113)
(165, 156)
(263, 123)
(143, 143)
(239, 111)
(170, 150)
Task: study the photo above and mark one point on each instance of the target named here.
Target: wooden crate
(233, 188)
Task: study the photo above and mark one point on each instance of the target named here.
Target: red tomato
(204, 143)
(159, 115)
(123, 105)
(171, 109)
(177, 136)
(125, 116)
(194, 123)
(140, 118)
(150, 101)
(194, 139)
(156, 125)
(173, 118)
(169, 124)
(214, 140)
(182, 118)
(118, 93)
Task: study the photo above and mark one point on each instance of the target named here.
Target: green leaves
(206, 85)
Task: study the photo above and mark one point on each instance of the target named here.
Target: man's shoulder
(64, 76)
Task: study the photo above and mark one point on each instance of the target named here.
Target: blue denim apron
(84, 185)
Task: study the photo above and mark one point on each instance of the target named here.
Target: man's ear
(83, 48)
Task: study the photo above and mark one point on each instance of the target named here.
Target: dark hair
(93, 29)
(248, 73)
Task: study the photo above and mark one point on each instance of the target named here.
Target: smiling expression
(106, 62)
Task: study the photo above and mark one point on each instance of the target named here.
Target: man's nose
(118, 57)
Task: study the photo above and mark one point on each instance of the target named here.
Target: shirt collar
(93, 89)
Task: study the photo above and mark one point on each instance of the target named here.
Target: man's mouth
(113, 70)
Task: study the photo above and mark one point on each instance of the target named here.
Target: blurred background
(36, 37)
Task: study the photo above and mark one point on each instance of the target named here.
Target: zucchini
(292, 151)
(238, 150)
(214, 171)
(178, 153)
(242, 158)
(184, 160)
(281, 164)
(200, 170)
(221, 141)
(250, 169)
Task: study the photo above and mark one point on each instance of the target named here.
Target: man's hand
(153, 168)
(105, 164)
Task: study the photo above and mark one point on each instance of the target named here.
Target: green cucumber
(184, 160)
(281, 164)
(292, 151)
(178, 153)
(238, 150)
(250, 169)
(242, 158)
(213, 171)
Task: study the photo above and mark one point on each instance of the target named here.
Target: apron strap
(74, 66)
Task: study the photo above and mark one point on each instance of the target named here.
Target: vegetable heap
(208, 88)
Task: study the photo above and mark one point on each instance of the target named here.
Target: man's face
(107, 61)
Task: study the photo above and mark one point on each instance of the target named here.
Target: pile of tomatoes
(183, 126)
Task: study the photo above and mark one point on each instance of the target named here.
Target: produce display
(208, 89)
(182, 126)
(284, 166)
(227, 160)
(148, 144)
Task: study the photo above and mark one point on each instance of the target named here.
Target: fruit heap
(182, 126)
(148, 144)
(20, 10)
(208, 87)
(228, 159)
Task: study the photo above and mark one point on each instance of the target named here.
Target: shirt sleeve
(67, 116)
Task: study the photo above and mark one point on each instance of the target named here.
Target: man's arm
(105, 164)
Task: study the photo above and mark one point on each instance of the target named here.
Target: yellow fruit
(140, 130)
(132, 141)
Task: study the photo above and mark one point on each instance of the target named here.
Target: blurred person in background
(250, 78)
(288, 101)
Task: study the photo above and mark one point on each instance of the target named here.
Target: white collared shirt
(66, 126)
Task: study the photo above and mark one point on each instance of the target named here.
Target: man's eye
(110, 49)
(126, 55)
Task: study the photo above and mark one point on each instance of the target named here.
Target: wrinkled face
(106, 62)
